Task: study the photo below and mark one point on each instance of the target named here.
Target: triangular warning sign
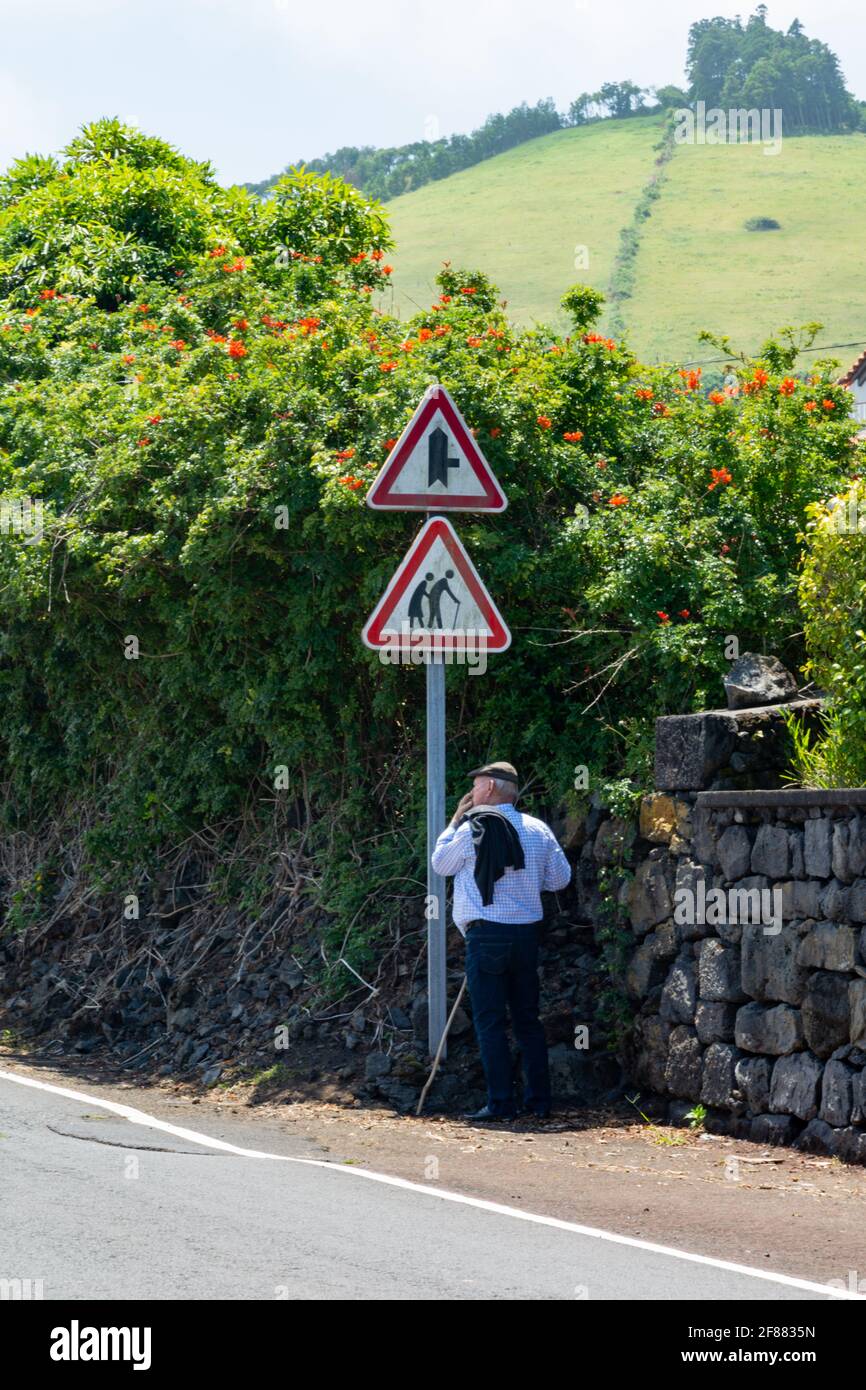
(436, 600)
(436, 465)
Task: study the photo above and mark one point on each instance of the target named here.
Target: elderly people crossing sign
(436, 609)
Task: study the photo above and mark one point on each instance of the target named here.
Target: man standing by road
(502, 861)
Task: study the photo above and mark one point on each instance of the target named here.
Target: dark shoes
(486, 1114)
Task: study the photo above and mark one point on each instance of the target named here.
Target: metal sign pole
(436, 927)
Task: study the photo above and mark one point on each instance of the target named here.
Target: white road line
(140, 1117)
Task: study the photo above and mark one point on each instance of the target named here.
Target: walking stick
(438, 1056)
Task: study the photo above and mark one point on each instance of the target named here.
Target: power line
(711, 361)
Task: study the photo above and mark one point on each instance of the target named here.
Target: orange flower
(387, 270)
(154, 419)
(387, 366)
(660, 408)
(717, 397)
(389, 444)
(474, 342)
(829, 405)
(442, 330)
(810, 405)
(691, 378)
(644, 393)
(344, 455)
(356, 260)
(444, 299)
(352, 482)
(601, 463)
(721, 477)
(618, 500)
(47, 294)
(217, 251)
(572, 436)
(142, 443)
(544, 421)
(662, 616)
(469, 289)
(241, 325)
(787, 387)
(237, 348)
(495, 432)
(376, 255)
(424, 334)
(179, 344)
(129, 358)
(684, 613)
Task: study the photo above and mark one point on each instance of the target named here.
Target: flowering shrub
(833, 601)
(200, 388)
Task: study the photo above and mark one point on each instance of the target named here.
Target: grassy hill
(520, 216)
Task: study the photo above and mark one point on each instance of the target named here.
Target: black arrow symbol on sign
(438, 461)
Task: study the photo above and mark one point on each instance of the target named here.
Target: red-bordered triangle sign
(436, 465)
(436, 600)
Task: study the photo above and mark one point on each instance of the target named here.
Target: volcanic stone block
(857, 900)
(735, 852)
(719, 972)
(834, 901)
(752, 1080)
(817, 851)
(836, 1094)
(801, 898)
(795, 848)
(825, 1012)
(645, 969)
(690, 748)
(828, 946)
(794, 1087)
(857, 846)
(771, 852)
(857, 1011)
(658, 819)
(755, 679)
(649, 899)
(770, 970)
(680, 991)
(689, 890)
(684, 1064)
(717, 1087)
(652, 1039)
(817, 1138)
(839, 854)
(714, 1021)
(771, 1030)
(773, 1129)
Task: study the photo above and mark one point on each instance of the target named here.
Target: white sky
(253, 85)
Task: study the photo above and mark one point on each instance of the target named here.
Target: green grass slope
(697, 266)
(520, 216)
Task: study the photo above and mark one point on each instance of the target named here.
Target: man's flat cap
(506, 772)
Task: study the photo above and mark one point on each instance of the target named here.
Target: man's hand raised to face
(463, 805)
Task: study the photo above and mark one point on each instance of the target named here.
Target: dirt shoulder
(768, 1207)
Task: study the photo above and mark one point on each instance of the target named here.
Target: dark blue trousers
(502, 976)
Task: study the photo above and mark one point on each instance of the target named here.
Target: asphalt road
(99, 1207)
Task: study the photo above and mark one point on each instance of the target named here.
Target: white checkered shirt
(517, 894)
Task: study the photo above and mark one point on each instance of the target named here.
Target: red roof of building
(854, 371)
